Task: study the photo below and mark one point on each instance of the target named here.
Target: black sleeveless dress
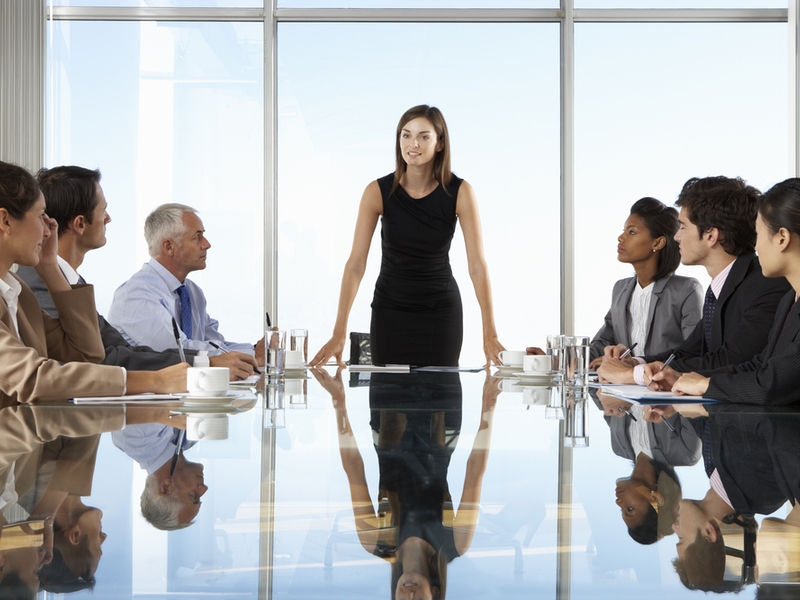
(416, 310)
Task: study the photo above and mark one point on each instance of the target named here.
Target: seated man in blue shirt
(144, 306)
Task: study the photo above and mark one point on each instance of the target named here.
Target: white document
(640, 394)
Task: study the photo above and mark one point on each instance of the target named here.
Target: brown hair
(18, 190)
(441, 162)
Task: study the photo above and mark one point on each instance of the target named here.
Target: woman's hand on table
(491, 349)
(332, 348)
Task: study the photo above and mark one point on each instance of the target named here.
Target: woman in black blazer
(676, 303)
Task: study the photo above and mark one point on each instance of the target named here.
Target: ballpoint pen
(628, 351)
(664, 366)
(627, 412)
(220, 348)
(178, 340)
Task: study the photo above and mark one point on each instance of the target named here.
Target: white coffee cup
(512, 358)
(207, 381)
(536, 395)
(206, 427)
(538, 364)
(293, 359)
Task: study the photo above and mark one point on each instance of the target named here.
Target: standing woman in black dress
(416, 309)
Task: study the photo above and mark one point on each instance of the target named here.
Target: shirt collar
(172, 282)
(71, 274)
(10, 288)
(719, 280)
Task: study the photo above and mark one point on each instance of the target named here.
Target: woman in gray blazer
(655, 309)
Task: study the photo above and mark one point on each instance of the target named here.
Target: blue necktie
(186, 311)
(708, 315)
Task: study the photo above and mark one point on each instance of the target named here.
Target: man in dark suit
(718, 232)
(75, 199)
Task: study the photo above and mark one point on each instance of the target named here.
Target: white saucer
(207, 409)
(536, 377)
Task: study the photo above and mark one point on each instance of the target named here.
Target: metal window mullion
(794, 87)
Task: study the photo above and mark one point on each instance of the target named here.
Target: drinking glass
(555, 350)
(299, 341)
(276, 346)
(576, 364)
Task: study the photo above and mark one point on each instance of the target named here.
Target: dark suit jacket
(753, 453)
(771, 377)
(118, 351)
(742, 320)
(675, 309)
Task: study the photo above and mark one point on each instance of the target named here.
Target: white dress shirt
(10, 289)
(638, 309)
(144, 306)
(149, 444)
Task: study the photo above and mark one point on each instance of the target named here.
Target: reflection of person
(24, 549)
(773, 376)
(144, 306)
(169, 500)
(716, 231)
(77, 539)
(416, 308)
(753, 469)
(414, 418)
(46, 358)
(655, 309)
(648, 499)
(74, 198)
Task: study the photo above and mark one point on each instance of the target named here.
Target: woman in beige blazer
(44, 358)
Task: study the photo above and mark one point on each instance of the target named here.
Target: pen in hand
(178, 340)
(226, 351)
(628, 351)
(664, 366)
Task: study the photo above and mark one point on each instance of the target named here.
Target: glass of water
(299, 341)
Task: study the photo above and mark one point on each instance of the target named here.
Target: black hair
(727, 204)
(69, 192)
(661, 221)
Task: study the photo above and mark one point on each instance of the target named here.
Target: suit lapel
(620, 312)
(658, 289)
(738, 272)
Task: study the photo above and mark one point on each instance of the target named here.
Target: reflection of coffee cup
(293, 359)
(207, 381)
(536, 395)
(537, 364)
(509, 385)
(512, 358)
(206, 427)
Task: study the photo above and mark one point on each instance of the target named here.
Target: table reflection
(401, 485)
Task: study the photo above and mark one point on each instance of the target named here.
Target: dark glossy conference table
(278, 518)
